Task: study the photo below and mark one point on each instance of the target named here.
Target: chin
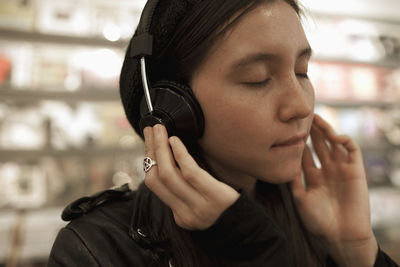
(281, 174)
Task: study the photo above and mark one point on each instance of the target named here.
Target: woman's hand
(334, 204)
(195, 197)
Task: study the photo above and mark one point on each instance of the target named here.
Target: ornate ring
(148, 163)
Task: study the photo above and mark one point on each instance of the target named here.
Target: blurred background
(63, 132)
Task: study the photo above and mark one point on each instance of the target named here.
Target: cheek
(238, 139)
(232, 125)
(240, 127)
(236, 127)
(310, 93)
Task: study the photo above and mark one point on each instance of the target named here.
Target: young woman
(247, 192)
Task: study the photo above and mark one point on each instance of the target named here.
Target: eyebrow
(262, 57)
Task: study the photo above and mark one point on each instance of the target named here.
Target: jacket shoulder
(87, 204)
(99, 232)
(68, 249)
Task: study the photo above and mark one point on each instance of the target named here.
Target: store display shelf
(26, 155)
(31, 95)
(382, 148)
(111, 94)
(386, 63)
(374, 19)
(357, 103)
(7, 34)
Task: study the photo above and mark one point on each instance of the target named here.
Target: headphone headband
(174, 105)
(142, 42)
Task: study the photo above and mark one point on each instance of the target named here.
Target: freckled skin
(243, 122)
(255, 93)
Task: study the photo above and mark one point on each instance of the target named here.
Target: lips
(292, 140)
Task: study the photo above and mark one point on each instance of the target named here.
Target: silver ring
(148, 163)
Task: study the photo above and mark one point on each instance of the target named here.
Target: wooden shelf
(374, 19)
(18, 155)
(36, 37)
(389, 63)
(112, 94)
(33, 95)
(357, 103)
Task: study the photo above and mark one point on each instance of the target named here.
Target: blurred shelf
(32, 95)
(357, 103)
(387, 63)
(382, 148)
(375, 19)
(7, 34)
(111, 94)
(17, 155)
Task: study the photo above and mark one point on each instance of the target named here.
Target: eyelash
(266, 82)
(303, 75)
(259, 84)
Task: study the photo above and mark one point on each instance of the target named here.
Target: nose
(296, 99)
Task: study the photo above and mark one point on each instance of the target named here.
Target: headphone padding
(178, 108)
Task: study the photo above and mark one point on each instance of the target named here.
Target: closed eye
(303, 75)
(258, 84)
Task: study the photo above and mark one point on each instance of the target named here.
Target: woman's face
(255, 95)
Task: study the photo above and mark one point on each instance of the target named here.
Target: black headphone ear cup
(176, 107)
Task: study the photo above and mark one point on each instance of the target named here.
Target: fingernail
(172, 141)
(157, 128)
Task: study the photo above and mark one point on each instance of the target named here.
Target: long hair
(186, 50)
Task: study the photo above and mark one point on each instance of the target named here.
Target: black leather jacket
(121, 227)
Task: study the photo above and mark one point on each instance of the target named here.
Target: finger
(162, 150)
(339, 152)
(149, 142)
(320, 146)
(309, 168)
(352, 149)
(354, 152)
(168, 172)
(180, 209)
(297, 187)
(308, 161)
(149, 147)
(164, 194)
(151, 176)
(327, 129)
(323, 124)
(152, 180)
(190, 170)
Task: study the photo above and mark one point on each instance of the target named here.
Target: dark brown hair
(185, 31)
(197, 33)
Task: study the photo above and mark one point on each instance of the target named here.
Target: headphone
(169, 103)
